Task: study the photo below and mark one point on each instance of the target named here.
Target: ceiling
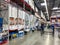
(50, 5)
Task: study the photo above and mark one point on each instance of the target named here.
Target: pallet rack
(4, 16)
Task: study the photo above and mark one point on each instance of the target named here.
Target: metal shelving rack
(4, 15)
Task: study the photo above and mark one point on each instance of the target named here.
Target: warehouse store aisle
(26, 40)
(36, 39)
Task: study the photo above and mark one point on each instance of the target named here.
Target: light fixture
(43, 4)
(55, 8)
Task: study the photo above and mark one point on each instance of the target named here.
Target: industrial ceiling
(50, 5)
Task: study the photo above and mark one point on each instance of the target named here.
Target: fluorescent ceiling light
(43, 4)
(55, 8)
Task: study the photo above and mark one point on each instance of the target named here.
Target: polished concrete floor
(36, 39)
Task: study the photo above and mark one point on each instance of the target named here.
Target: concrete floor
(36, 39)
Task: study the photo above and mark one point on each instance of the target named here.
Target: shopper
(52, 26)
(42, 28)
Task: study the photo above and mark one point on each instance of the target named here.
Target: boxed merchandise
(20, 33)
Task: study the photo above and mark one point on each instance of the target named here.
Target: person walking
(52, 26)
(42, 28)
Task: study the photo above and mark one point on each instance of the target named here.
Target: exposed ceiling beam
(46, 8)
